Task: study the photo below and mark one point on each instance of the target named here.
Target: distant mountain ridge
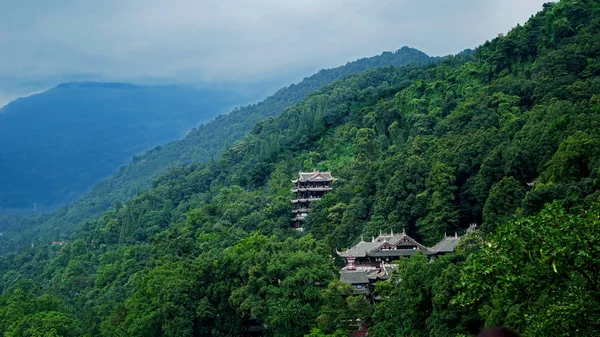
(506, 139)
(93, 84)
(55, 145)
(208, 141)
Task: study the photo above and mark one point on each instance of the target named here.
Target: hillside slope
(508, 140)
(202, 144)
(56, 145)
(210, 139)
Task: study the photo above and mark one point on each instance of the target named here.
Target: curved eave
(301, 210)
(311, 189)
(295, 201)
(399, 252)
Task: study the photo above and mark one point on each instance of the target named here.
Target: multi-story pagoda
(370, 261)
(308, 188)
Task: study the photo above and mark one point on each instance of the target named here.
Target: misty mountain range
(102, 125)
(57, 144)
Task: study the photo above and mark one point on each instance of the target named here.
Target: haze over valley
(184, 168)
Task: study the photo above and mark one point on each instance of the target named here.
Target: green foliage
(341, 309)
(538, 274)
(408, 304)
(202, 144)
(577, 157)
(207, 250)
(24, 312)
(441, 213)
(502, 202)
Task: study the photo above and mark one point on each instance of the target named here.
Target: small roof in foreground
(354, 277)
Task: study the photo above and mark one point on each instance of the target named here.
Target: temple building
(308, 188)
(370, 261)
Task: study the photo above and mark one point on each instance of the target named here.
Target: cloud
(220, 40)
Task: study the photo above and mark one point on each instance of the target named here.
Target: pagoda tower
(308, 188)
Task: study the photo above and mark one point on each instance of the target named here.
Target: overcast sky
(45, 41)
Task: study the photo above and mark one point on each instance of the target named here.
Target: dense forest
(56, 145)
(200, 145)
(506, 138)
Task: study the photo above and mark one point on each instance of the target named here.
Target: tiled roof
(354, 277)
(387, 271)
(374, 247)
(361, 249)
(383, 272)
(314, 176)
(447, 245)
(399, 252)
(368, 248)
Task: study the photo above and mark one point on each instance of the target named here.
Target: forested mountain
(200, 145)
(210, 139)
(507, 138)
(56, 145)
